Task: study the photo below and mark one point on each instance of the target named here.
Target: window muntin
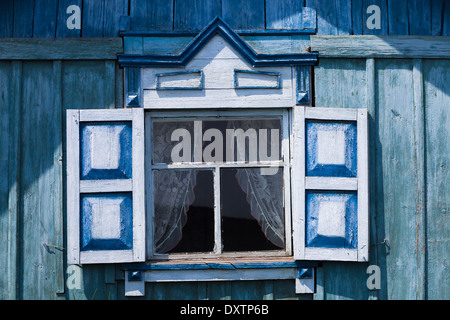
(248, 172)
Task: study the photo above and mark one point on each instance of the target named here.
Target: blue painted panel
(331, 219)
(100, 160)
(331, 149)
(106, 221)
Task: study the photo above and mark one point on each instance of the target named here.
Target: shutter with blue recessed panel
(105, 186)
(330, 184)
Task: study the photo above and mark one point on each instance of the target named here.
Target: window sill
(219, 270)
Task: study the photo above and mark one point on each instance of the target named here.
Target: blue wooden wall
(35, 94)
(105, 18)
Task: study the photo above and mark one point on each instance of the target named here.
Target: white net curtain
(174, 188)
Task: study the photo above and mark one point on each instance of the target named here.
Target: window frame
(285, 156)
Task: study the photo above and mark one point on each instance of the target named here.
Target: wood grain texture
(40, 179)
(103, 18)
(396, 204)
(437, 126)
(44, 22)
(193, 15)
(60, 49)
(151, 15)
(381, 47)
(283, 15)
(244, 14)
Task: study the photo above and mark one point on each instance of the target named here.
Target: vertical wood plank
(283, 14)
(340, 83)
(93, 13)
(357, 12)
(23, 18)
(45, 16)
(396, 174)
(114, 9)
(58, 238)
(5, 98)
(61, 25)
(14, 180)
(446, 20)
(244, 14)
(371, 107)
(382, 4)
(6, 18)
(344, 16)
(193, 15)
(398, 18)
(326, 16)
(151, 15)
(437, 8)
(419, 156)
(110, 84)
(419, 17)
(436, 75)
(40, 176)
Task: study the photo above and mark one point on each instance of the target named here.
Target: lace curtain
(174, 189)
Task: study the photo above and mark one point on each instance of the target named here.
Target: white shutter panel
(330, 184)
(105, 186)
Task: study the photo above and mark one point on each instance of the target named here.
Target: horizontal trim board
(335, 114)
(131, 33)
(331, 183)
(107, 256)
(218, 265)
(100, 186)
(104, 115)
(370, 46)
(220, 275)
(60, 49)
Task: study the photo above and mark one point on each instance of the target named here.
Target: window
(219, 184)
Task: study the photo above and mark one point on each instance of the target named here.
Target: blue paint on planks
(193, 15)
(244, 14)
(88, 151)
(313, 165)
(313, 237)
(93, 18)
(398, 17)
(419, 17)
(23, 18)
(6, 19)
(151, 15)
(105, 202)
(283, 14)
(44, 23)
(61, 24)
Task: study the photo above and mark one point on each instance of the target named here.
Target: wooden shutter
(330, 184)
(105, 186)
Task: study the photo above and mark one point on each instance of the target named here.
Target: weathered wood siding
(34, 96)
(105, 18)
(408, 101)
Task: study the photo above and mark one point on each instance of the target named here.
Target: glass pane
(184, 211)
(219, 141)
(252, 209)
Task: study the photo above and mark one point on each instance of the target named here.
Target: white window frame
(215, 167)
